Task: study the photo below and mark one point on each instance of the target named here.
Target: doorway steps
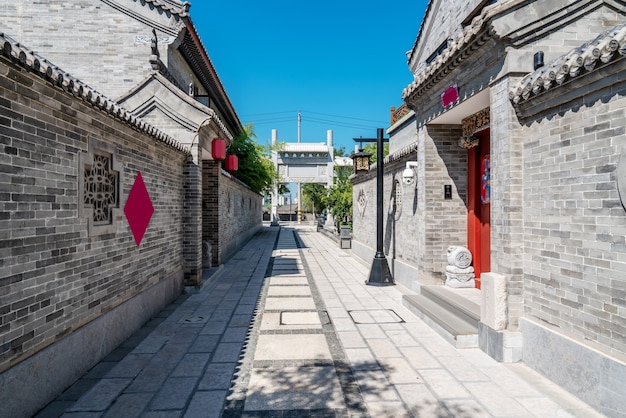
(451, 315)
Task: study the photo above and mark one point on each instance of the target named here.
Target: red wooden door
(479, 206)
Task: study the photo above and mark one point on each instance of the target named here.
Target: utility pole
(299, 191)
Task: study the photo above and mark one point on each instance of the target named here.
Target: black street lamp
(380, 275)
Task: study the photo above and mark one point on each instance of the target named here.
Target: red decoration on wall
(232, 162)
(485, 179)
(218, 149)
(450, 96)
(138, 209)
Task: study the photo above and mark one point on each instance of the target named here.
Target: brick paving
(287, 328)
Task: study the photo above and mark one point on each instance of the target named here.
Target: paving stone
(443, 384)
(398, 371)
(375, 387)
(217, 376)
(227, 352)
(150, 379)
(289, 304)
(420, 401)
(206, 404)
(300, 318)
(129, 405)
(361, 358)
(388, 410)
(351, 339)
(192, 364)
(292, 347)
(495, 400)
(465, 408)
(289, 291)
(369, 331)
(290, 388)
(174, 393)
(130, 366)
(294, 281)
(204, 344)
(419, 358)
(101, 396)
(383, 348)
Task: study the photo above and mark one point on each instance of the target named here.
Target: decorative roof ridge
(180, 8)
(402, 152)
(606, 47)
(212, 114)
(41, 67)
(461, 42)
(208, 64)
(470, 37)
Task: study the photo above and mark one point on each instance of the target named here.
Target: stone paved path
(289, 329)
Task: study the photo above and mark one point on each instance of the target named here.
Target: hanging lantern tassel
(232, 162)
(218, 149)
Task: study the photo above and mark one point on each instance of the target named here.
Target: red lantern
(232, 162)
(218, 149)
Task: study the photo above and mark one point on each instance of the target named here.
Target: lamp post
(380, 275)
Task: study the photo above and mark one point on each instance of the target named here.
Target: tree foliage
(372, 148)
(339, 201)
(256, 168)
(314, 197)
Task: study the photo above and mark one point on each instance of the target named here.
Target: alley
(287, 328)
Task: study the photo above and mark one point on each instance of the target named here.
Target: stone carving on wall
(472, 124)
(100, 188)
(207, 254)
(459, 272)
(395, 204)
(361, 201)
(621, 176)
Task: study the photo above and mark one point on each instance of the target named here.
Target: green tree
(314, 197)
(372, 148)
(256, 168)
(339, 202)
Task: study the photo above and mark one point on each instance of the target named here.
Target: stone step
(452, 316)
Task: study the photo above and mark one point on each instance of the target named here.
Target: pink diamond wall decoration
(138, 209)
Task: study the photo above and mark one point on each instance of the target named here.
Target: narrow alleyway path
(289, 329)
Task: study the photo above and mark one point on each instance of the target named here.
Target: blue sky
(341, 64)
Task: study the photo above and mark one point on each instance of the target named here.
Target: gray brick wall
(574, 222)
(88, 38)
(232, 212)
(55, 276)
(420, 231)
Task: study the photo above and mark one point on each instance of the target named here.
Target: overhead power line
(315, 113)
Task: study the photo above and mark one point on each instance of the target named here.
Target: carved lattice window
(100, 188)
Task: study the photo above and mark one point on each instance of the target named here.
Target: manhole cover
(375, 316)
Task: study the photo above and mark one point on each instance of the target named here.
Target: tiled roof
(176, 7)
(606, 47)
(474, 33)
(45, 69)
(466, 41)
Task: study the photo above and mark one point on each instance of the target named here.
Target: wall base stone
(501, 345)
(590, 375)
(30, 385)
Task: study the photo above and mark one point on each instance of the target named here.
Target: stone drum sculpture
(459, 272)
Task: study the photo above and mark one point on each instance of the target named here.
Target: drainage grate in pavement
(375, 316)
